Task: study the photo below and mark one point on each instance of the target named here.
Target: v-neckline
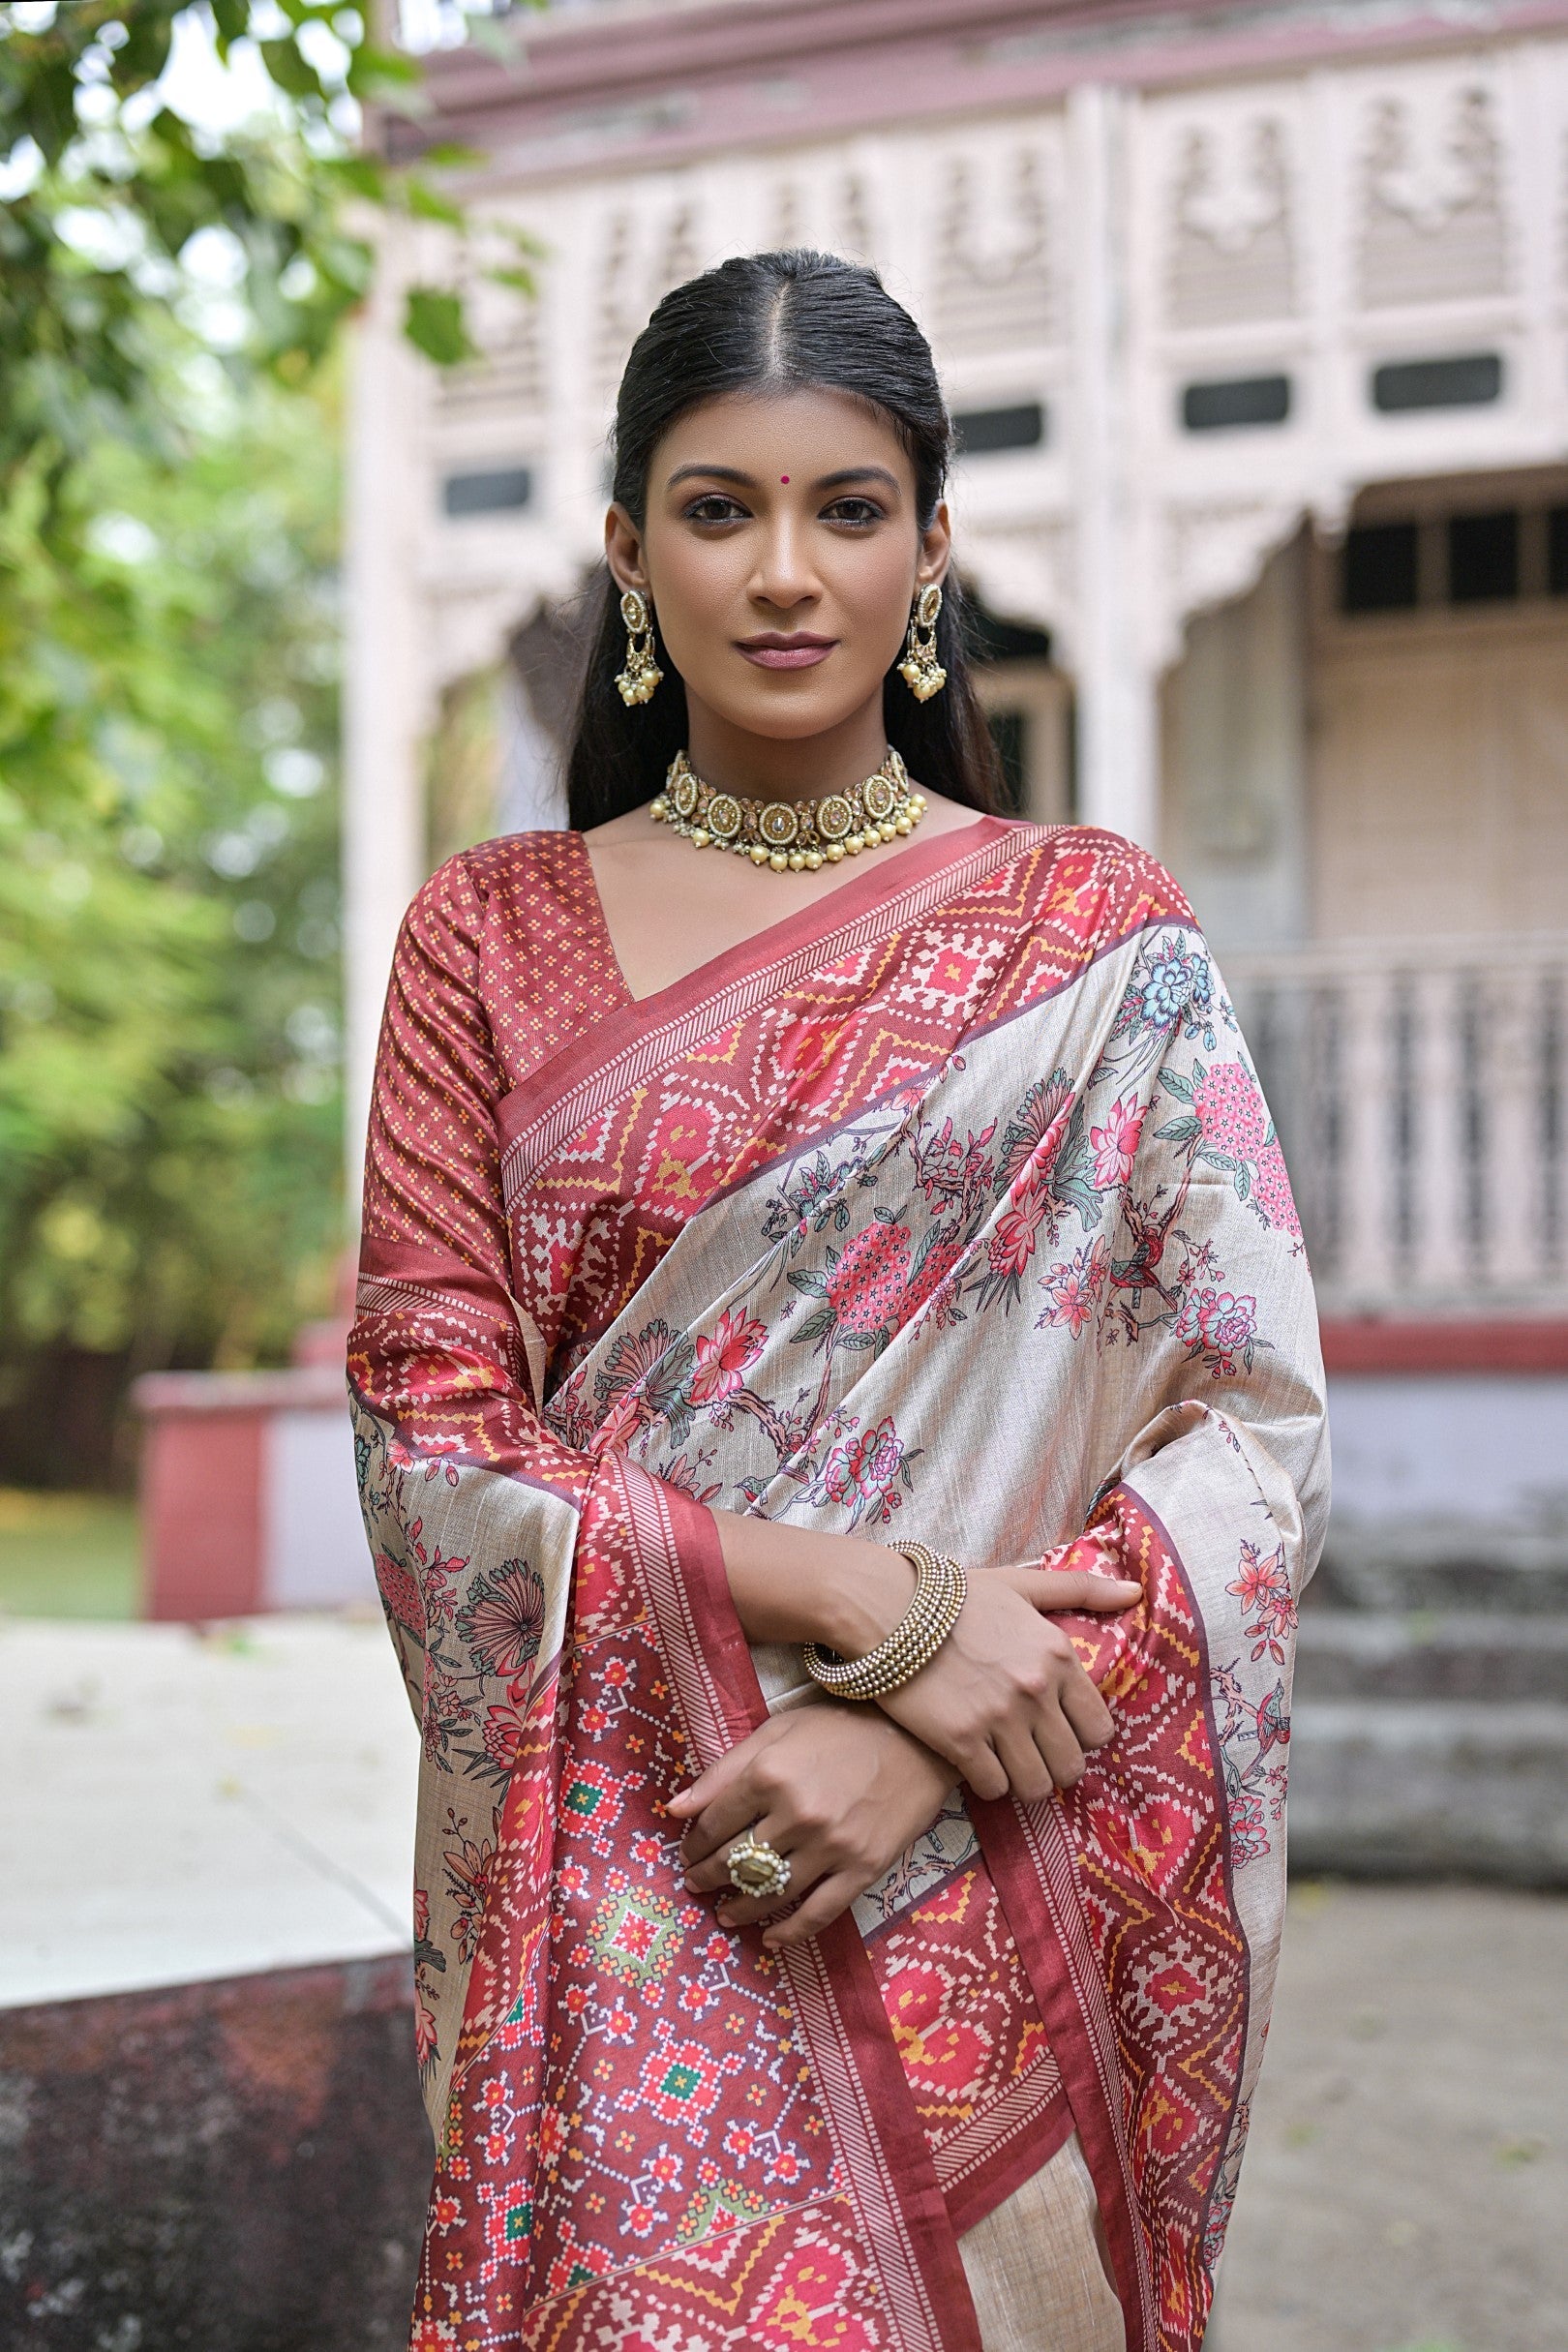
(882, 878)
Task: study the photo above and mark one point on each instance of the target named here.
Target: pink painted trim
(1457, 1346)
(203, 1502)
(299, 1388)
(627, 93)
(646, 1034)
(860, 2082)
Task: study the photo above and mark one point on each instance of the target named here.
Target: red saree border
(617, 1053)
(863, 2090)
(982, 2166)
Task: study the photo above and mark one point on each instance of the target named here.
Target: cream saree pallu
(946, 1209)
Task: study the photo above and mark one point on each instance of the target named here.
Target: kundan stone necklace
(791, 835)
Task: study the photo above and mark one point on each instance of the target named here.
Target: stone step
(1414, 1789)
(1444, 1564)
(1383, 1654)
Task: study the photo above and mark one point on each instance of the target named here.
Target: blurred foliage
(168, 912)
(170, 296)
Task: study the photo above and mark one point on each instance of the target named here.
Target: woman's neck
(771, 768)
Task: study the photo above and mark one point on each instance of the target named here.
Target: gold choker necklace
(792, 835)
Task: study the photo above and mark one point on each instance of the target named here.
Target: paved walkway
(186, 1803)
(1406, 2186)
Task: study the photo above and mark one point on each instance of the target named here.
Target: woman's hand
(839, 1789)
(1005, 1699)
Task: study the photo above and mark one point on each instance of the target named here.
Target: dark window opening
(1010, 732)
(1558, 550)
(500, 490)
(1378, 569)
(980, 432)
(1483, 557)
(1438, 384)
(1236, 401)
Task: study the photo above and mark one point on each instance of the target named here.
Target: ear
(936, 547)
(624, 550)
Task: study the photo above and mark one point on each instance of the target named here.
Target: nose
(785, 578)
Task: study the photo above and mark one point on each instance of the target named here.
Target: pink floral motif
(864, 1469)
(1012, 1244)
(506, 1724)
(421, 1915)
(1114, 1146)
(424, 2032)
(1272, 1196)
(724, 1357)
(867, 1285)
(1229, 1110)
(1218, 1322)
(468, 1865)
(1075, 1287)
(1263, 1589)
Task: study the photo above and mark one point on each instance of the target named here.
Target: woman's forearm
(793, 1584)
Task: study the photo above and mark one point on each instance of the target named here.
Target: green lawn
(67, 1555)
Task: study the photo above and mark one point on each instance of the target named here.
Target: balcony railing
(1421, 1094)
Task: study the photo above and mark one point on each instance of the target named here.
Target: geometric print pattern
(648, 2125)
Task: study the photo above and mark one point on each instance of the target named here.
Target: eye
(857, 512)
(714, 506)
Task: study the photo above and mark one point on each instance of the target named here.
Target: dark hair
(773, 322)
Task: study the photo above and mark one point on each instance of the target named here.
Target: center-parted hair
(774, 322)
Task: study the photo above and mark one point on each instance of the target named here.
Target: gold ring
(757, 1869)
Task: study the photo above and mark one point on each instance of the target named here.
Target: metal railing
(1421, 1094)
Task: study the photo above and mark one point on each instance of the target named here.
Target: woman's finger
(734, 1809)
(713, 1870)
(983, 1770)
(1028, 1779)
(1048, 1588)
(1058, 1747)
(1087, 1712)
(822, 1906)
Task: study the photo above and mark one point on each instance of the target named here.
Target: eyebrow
(748, 481)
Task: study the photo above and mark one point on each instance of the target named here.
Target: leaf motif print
(502, 1621)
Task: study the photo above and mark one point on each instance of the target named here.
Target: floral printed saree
(945, 1208)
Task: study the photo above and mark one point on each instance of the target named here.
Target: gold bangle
(940, 1587)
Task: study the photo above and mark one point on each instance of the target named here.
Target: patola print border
(590, 1076)
(863, 2091)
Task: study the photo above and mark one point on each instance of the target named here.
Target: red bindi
(783, 477)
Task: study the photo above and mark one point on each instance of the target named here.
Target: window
(981, 432)
(1483, 557)
(1236, 401)
(1558, 550)
(1378, 568)
(1469, 382)
(502, 489)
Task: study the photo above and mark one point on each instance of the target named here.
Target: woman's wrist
(867, 1591)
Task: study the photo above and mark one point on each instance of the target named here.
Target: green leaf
(293, 74)
(427, 203)
(433, 322)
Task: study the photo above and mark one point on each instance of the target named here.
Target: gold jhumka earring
(642, 675)
(921, 671)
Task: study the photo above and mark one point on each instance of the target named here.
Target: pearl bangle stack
(940, 1591)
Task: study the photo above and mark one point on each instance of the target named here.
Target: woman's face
(782, 552)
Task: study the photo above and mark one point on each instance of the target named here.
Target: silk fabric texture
(946, 1208)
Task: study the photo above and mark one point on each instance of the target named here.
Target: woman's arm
(1005, 1702)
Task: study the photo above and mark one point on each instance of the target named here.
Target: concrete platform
(187, 1803)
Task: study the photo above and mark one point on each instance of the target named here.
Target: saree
(947, 1208)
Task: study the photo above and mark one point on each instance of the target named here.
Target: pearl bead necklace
(792, 836)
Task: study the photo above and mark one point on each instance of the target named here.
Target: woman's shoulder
(1109, 883)
(542, 871)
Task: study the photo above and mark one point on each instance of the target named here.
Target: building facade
(1254, 320)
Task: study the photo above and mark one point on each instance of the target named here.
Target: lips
(773, 651)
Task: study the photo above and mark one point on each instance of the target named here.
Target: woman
(841, 1434)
